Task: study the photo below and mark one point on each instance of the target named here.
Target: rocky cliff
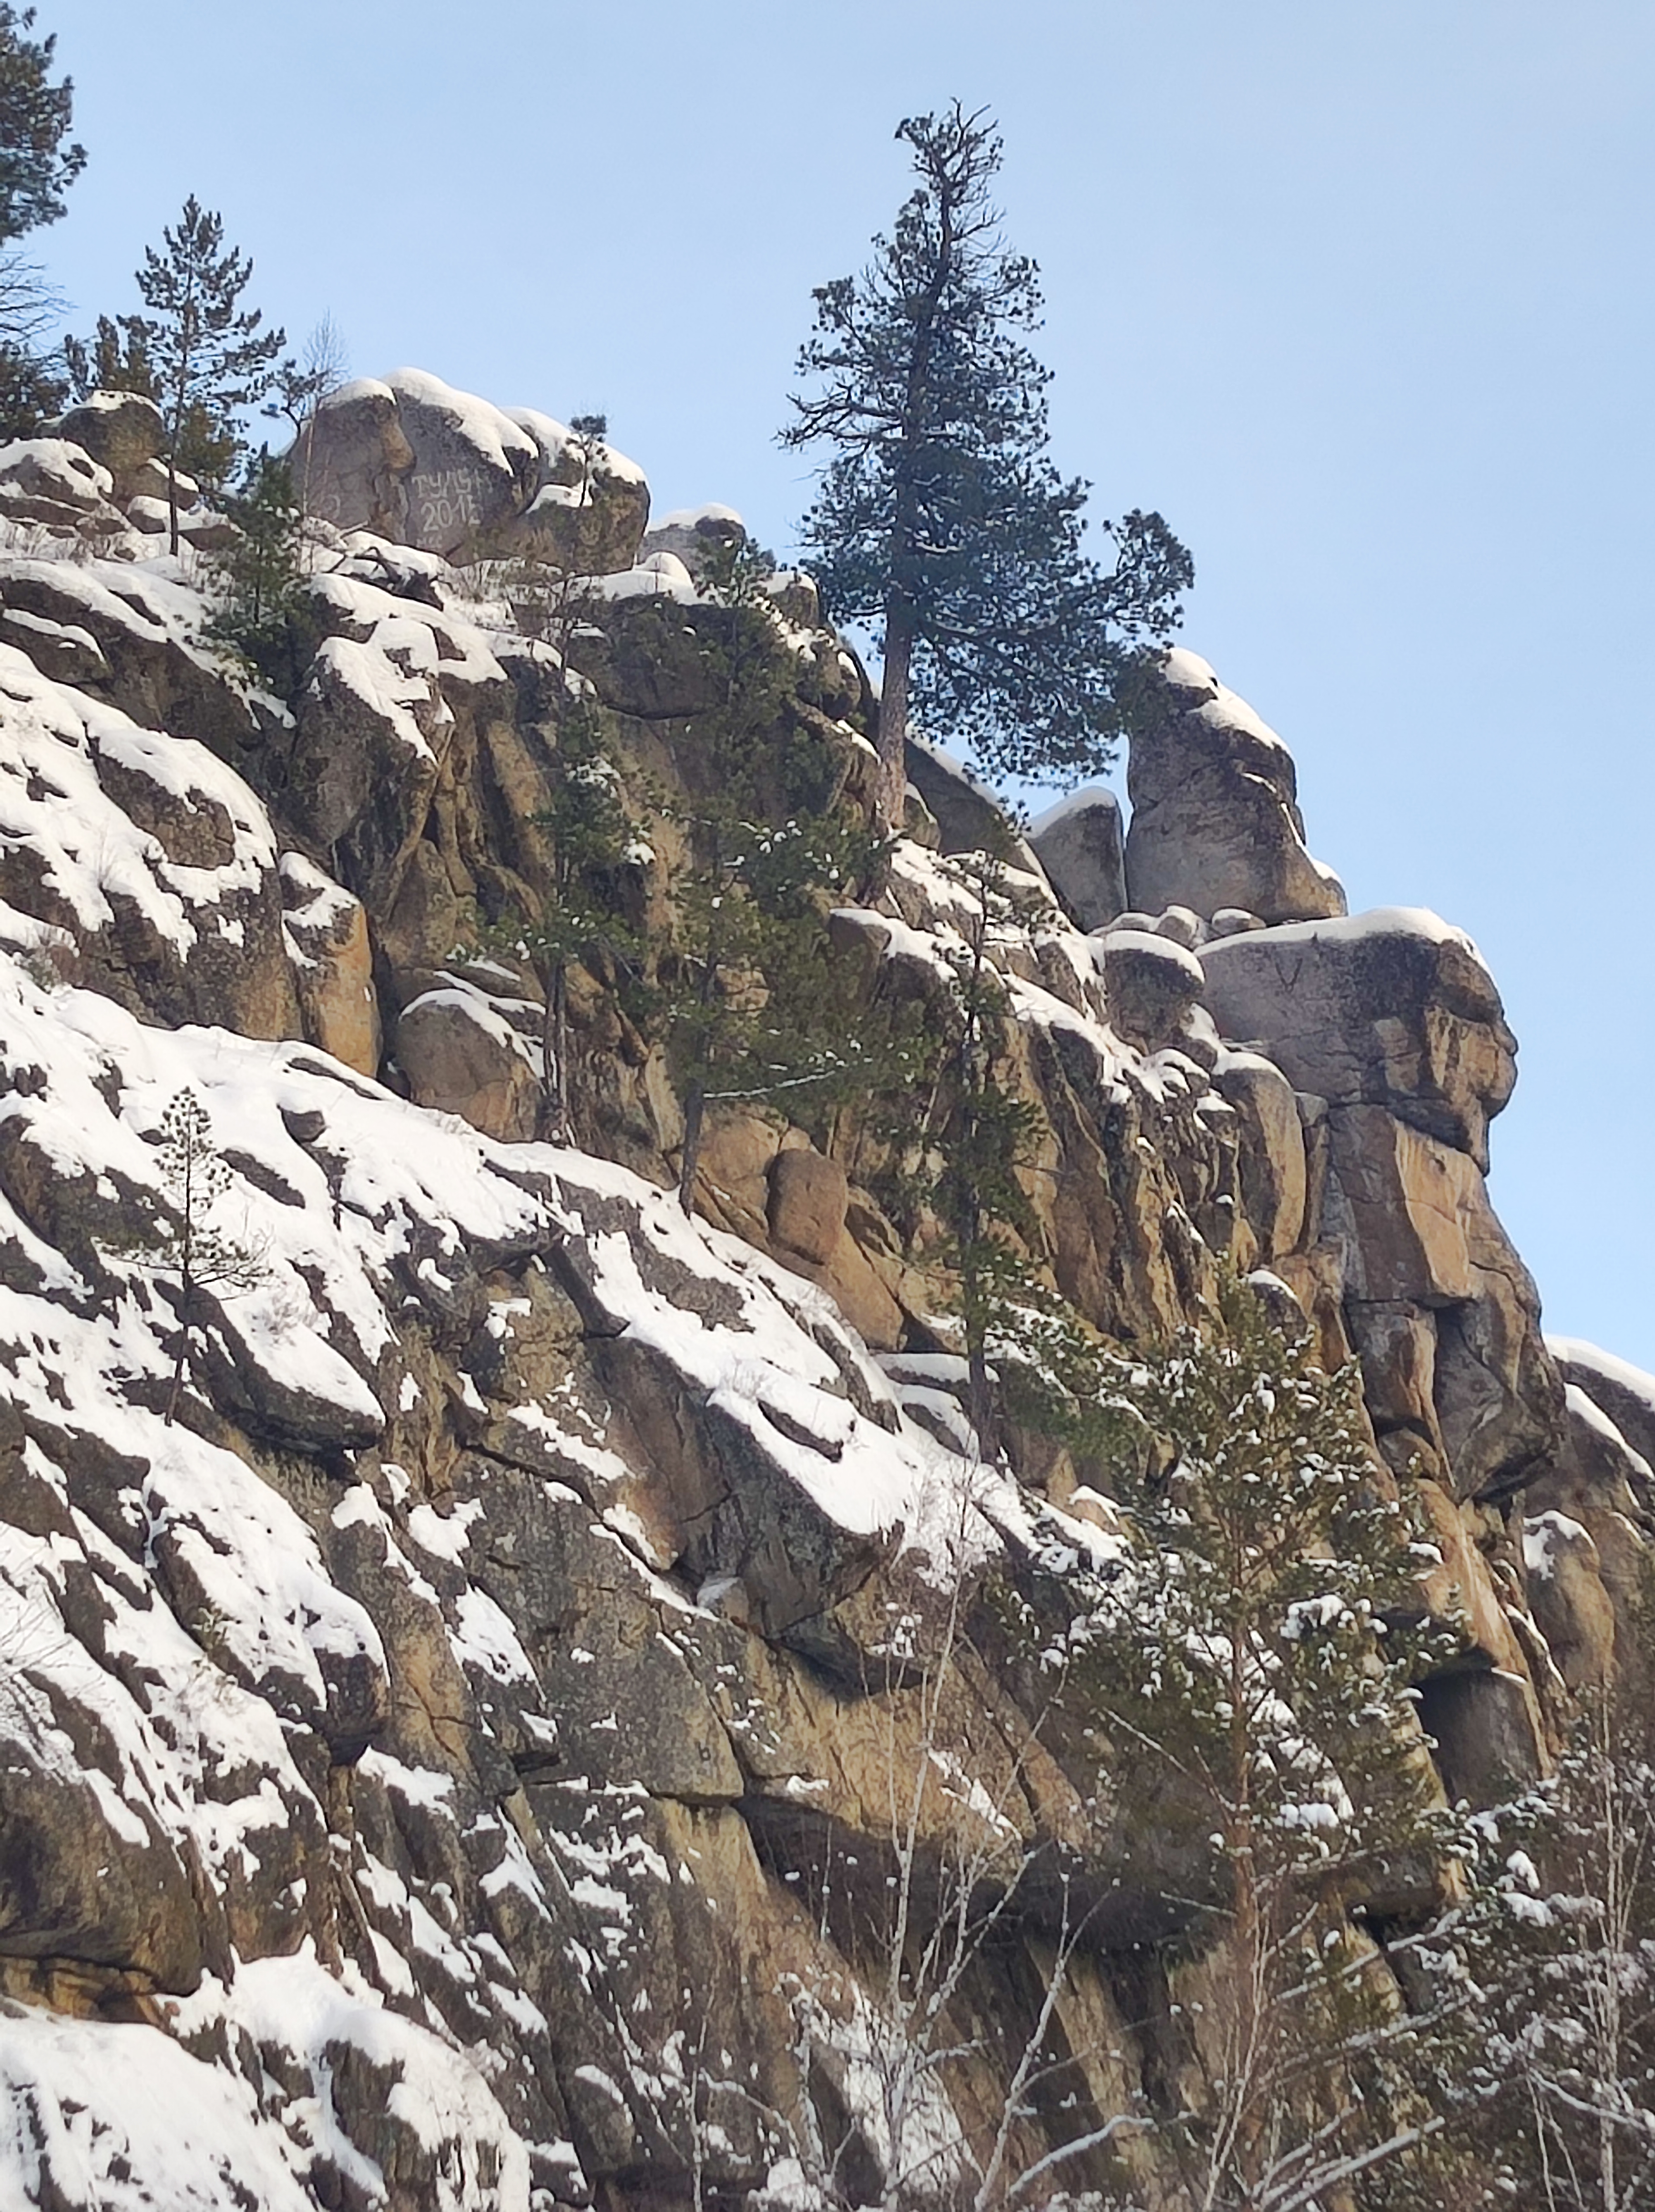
(449, 1752)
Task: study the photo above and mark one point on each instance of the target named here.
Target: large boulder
(124, 433)
(1215, 820)
(460, 1055)
(969, 817)
(1392, 1008)
(332, 957)
(143, 853)
(57, 484)
(590, 511)
(1151, 985)
(1078, 843)
(410, 458)
(1598, 1484)
(1625, 1393)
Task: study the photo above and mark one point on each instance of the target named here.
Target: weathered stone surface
(969, 817)
(355, 460)
(1397, 1346)
(1410, 1197)
(157, 667)
(589, 513)
(1486, 1725)
(459, 1055)
(1215, 820)
(412, 459)
(1150, 985)
(809, 1196)
(1078, 843)
(1616, 1388)
(1596, 1481)
(1392, 1008)
(1272, 1155)
(156, 862)
(332, 957)
(63, 477)
(1569, 1599)
(1498, 1397)
(121, 430)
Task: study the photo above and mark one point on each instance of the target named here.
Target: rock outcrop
(413, 460)
(1215, 820)
(521, 1619)
(1078, 843)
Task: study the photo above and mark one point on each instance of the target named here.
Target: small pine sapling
(260, 572)
(590, 838)
(182, 1240)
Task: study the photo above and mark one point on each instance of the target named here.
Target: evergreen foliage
(1560, 2096)
(1257, 1648)
(200, 354)
(750, 1005)
(184, 1242)
(590, 839)
(260, 572)
(941, 518)
(36, 167)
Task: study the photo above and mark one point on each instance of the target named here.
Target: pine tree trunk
(172, 505)
(553, 1120)
(694, 1116)
(891, 799)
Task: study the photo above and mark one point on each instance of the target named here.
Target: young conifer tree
(184, 1242)
(941, 518)
(751, 1007)
(1255, 1652)
(207, 357)
(1560, 2096)
(262, 569)
(590, 838)
(36, 167)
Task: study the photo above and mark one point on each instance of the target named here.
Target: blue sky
(1358, 296)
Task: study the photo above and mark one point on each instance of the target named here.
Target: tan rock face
(122, 431)
(809, 1196)
(459, 1056)
(1216, 821)
(1274, 1172)
(1410, 1197)
(328, 943)
(1600, 1486)
(1078, 843)
(1389, 1009)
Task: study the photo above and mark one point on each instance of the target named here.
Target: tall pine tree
(36, 167)
(941, 518)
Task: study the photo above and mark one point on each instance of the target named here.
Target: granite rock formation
(424, 1750)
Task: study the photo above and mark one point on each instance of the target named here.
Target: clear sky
(1359, 296)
